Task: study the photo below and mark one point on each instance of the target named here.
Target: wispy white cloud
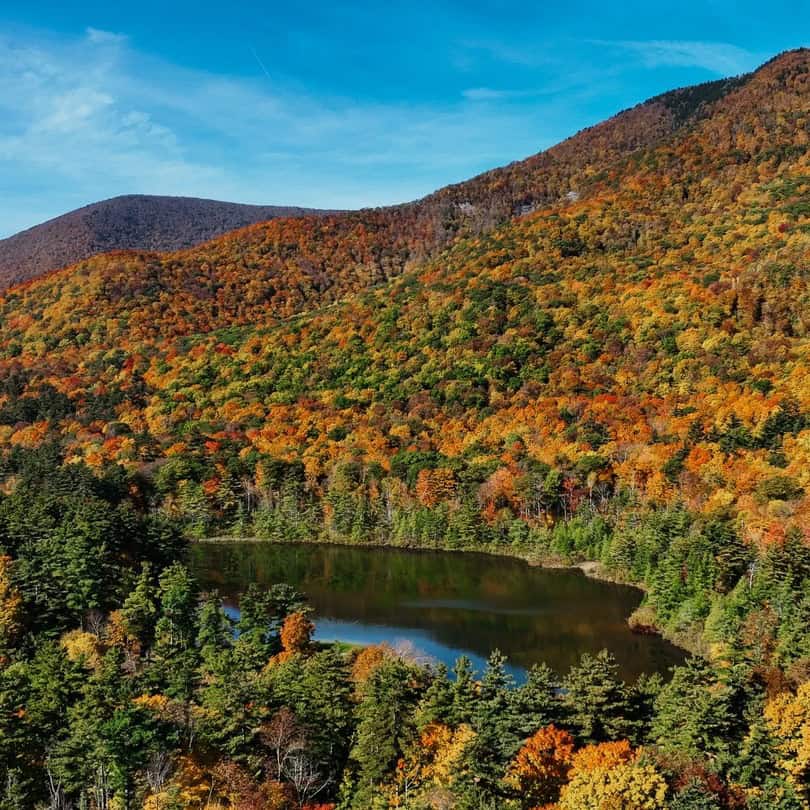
(72, 110)
(490, 94)
(93, 117)
(721, 58)
(85, 119)
(482, 94)
(471, 50)
(100, 37)
(547, 89)
(68, 114)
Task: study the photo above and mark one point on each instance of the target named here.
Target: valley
(599, 354)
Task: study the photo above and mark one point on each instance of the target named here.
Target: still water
(440, 605)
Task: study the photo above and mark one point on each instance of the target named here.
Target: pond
(441, 605)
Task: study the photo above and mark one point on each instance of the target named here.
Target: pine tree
(384, 729)
(140, 607)
(537, 701)
(495, 707)
(175, 657)
(496, 737)
(642, 696)
(215, 634)
(325, 708)
(258, 627)
(597, 699)
(436, 705)
(692, 713)
(464, 692)
(756, 760)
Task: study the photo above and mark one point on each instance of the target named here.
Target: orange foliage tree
(541, 766)
(296, 633)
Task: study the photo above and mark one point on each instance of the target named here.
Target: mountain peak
(126, 222)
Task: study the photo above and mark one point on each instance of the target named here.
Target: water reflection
(443, 605)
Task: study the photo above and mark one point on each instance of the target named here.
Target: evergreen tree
(436, 705)
(175, 657)
(215, 634)
(176, 627)
(497, 738)
(233, 703)
(464, 692)
(261, 615)
(641, 709)
(140, 608)
(693, 715)
(20, 743)
(495, 709)
(257, 628)
(537, 701)
(597, 700)
(756, 762)
(384, 729)
(776, 794)
(695, 796)
(325, 709)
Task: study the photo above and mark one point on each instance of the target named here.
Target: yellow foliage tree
(627, 786)
(602, 755)
(296, 635)
(10, 605)
(434, 486)
(433, 766)
(189, 787)
(82, 647)
(446, 748)
(367, 660)
(788, 718)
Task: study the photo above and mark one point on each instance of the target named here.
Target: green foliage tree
(702, 731)
(384, 729)
(597, 700)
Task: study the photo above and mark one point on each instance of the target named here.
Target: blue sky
(332, 104)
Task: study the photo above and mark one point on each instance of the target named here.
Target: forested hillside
(600, 353)
(302, 265)
(133, 221)
(649, 338)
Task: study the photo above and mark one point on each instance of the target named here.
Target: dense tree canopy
(597, 355)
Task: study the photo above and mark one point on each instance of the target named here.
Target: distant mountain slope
(411, 230)
(567, 171)
(130, 222)
(283, 267)
(645, 331)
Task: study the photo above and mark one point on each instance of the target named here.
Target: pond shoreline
(590, 568)
(640, 621)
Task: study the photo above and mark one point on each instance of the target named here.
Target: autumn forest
(600, 354)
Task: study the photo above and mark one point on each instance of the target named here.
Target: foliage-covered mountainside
(130, 222)
(648, 336)
(298, 266)
(600, 353)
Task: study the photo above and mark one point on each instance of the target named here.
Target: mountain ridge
(311, 261)
(618, 334)
(41, 249)
(126, 222)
